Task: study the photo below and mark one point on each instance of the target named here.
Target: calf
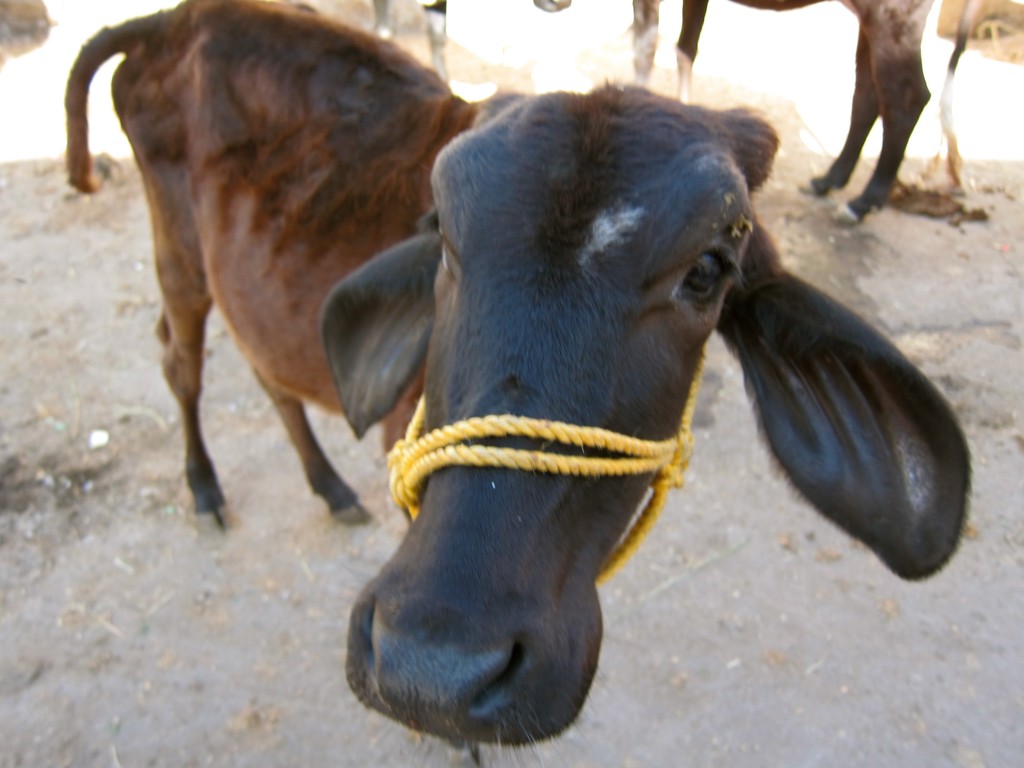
(584, 249)
(889, 84)
(278, 152)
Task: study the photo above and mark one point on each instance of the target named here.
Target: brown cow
(279, 151)
(890, 82)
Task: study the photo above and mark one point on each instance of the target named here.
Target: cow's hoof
(216, 513)
(351, 514)
(819, 187)
(847, 216)
(210, 501)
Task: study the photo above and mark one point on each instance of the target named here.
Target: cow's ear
(376, 326)
(860, 431)
(753, 143)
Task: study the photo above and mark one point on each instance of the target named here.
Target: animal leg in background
(890, 83)
(322, 477)
(954, 162)
(435, 14)
(646, 14)
(686, 46)
(863, 115)
(182, 330)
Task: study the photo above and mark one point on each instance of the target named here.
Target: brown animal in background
(279, 151)
(890, 82)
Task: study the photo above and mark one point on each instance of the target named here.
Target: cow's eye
(448, 262)
(702, 279)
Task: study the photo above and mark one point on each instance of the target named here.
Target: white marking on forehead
(609, 228)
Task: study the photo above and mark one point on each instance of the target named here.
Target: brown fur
(279, 151)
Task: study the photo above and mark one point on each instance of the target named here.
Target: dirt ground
(747, 632)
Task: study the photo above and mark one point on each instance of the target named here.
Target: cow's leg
(953, 160)
(182, 325)
(325, 482)
(181, 329)
(694, 12)
(437, 34)
(862, 118)
(382, 17)
(646, 14)
(902, 94)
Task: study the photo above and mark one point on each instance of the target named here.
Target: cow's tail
(108, 42)
(953, 160)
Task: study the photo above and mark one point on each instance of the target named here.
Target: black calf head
(587, 247)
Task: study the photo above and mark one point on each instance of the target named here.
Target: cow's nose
(442, 677)
(440, 680)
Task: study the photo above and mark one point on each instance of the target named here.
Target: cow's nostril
(496, 694)
(366, 626)
(515, 662)
(360, 664)
(362, 622)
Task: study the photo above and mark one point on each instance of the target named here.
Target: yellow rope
(413, 459)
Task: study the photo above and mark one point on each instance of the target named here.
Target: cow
(889, 83)
(582, 250)
(279, 151)
(561, 257)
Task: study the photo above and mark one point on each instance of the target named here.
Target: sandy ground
(747, 632)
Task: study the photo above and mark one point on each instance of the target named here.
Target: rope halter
(412, 460)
